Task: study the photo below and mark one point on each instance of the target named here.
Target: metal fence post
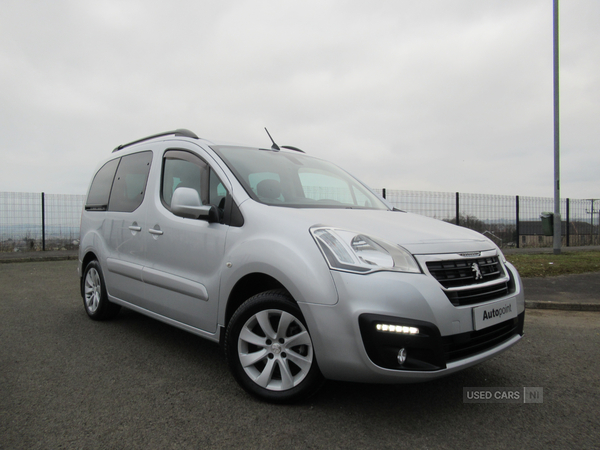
(457, 208)
(517, 223)
(592, 221)
(43, 224)
(568, 222)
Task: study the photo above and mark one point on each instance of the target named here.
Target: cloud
(431, 95)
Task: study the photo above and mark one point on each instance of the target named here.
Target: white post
(557, 220)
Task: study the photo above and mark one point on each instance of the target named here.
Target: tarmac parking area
(69, 382)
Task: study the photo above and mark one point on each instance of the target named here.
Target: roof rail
(179, 132)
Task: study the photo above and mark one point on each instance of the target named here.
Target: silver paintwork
(183, 271)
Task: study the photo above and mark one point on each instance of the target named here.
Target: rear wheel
(95, 299)
(270, 351)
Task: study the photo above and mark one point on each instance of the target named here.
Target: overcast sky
(434, 95)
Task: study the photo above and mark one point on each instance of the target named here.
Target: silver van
(298, 269)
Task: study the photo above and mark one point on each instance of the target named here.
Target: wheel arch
(88, 257)
(248, 286)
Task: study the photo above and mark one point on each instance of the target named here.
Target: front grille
(477, 295)
(467, 281)
(463, 272)
(460, 346)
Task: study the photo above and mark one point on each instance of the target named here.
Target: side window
(99, 193)
(217, 191)
(130, 182)
(184, 169)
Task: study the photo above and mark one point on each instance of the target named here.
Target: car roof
(190, 135)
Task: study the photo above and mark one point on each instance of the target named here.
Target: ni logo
(475, 268)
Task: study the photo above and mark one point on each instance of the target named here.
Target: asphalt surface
(69, 382)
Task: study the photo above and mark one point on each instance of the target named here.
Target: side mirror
(186, 203)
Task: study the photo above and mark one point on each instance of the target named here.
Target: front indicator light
(399, 329)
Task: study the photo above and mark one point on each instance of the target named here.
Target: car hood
(418, 234)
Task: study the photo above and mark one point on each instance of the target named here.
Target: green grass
(550, 265)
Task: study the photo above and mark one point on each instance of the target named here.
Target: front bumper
(348, 347)
(428, 350)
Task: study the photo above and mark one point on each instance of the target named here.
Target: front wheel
(270, 351)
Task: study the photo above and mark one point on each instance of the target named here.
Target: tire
(93, 291)
(269, 349)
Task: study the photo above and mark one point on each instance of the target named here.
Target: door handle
(155, 232)
(135, 228)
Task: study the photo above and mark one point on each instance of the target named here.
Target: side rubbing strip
(174, 283)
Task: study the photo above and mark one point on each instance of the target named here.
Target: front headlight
(354, 252)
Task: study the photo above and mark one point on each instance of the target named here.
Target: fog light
(402, 356)
(396, 329)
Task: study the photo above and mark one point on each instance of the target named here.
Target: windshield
(296, 180)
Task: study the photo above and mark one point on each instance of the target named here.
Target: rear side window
(129, 185)
(100, 189)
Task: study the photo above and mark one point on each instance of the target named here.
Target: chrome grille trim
(457, 278)
(459, 273)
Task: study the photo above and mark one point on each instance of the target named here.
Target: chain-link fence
(510, 221)
(51, 221)
(30, 222)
